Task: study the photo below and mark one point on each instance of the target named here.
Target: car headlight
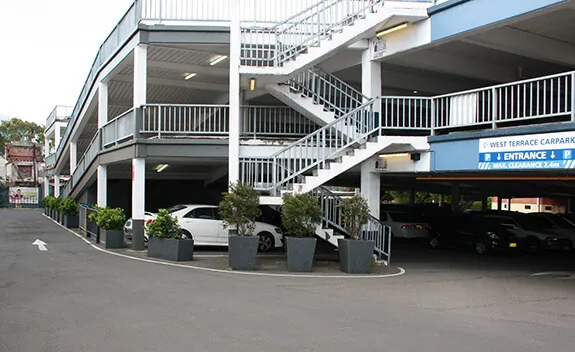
(278, 230)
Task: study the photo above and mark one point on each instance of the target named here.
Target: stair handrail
(349, 129)
(292, 17)
(375, 230)
(303, 82)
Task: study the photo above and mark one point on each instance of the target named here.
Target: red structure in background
(22, 161)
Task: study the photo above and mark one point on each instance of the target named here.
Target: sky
(46, 50)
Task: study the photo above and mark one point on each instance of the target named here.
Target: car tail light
(427, 227)
(407, 227)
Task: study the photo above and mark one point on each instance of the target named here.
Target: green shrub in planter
(69, 209)
(239, 209)
(111, 222)
(301, 214)
(165, 240)
(47, 201)
(355, 254)
(56, 205)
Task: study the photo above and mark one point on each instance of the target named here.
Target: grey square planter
(71, 221)
(113, 238)
(171, 249)
(355, 256)
(243, 251)
(300, 253)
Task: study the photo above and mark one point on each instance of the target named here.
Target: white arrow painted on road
(41, 245)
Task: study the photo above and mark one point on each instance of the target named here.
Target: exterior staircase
(320, 96)
(317, 33)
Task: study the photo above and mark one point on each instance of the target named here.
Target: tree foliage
(354, 213)
(301, 213)
(18, 130)
(240, 208)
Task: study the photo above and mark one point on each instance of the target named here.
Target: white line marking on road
(248, 273)
(41, 245)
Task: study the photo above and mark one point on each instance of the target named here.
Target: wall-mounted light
(218, 59)
(252, 84)
(391, 29)
(161, 167)
(396, 155)
(188, 76)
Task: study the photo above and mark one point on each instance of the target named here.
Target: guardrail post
(494, 110)
(432, 117)
(138, 121)
(274, 177)
(573, 97)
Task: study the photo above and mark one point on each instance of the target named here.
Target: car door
(203, 225)
(464, 231)
(223, 234)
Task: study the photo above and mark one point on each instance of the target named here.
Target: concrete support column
(140, 75)
(102, 195)
(73, 156)
(102, 104)
(57, 186)
(138, 202)
(455, 197)
(57, 135)
(499, 202)
(508, 204)
(235, 123)
(568, 206)
(484, 202)
(46, 146)
(46, 186)
(370, 186)
(370, 76)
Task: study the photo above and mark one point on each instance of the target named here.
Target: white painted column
(138, 202)
(140, 75)
(370, 186)
(102, 179)
(234, 139)
(102, 104)
(73, 156)
(56, 186)
(57, 135)
(371, 87)
(46, 146)
(46, 186)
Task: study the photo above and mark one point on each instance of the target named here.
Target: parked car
(483, 234)
(205, 226)
(535, 235)
(404, 224)
(557, 223)
(148, 216)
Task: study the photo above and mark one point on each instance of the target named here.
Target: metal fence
(88, 228)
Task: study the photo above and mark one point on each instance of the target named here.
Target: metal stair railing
(273, 47)
(313, 151)
(373, 230)
(328, 90)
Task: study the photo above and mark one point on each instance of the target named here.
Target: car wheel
(434, 242)
(186, 235)
(480, 248)
(267, 242)
(532, 246)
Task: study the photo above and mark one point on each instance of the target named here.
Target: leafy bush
(355, 212)
(69, 207)
(164, 226)
(240, 208)
(48, 202)
(93, 214)
(56, 203)
(301, 213)
(110, 218)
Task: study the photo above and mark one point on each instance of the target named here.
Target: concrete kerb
(312, 276)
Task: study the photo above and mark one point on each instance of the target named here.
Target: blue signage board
(544, 151)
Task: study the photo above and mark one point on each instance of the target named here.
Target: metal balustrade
(374, 230)
(328, 90)
(206, 120)
(274, 121)
(60, 112)
(406, 113)
(87, 159)
(50, 161)
(119, 129)
(311, 152)
(272, 47)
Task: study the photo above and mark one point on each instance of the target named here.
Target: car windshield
(534, 223)
(402, 217)
(562, 223)
(176, 208)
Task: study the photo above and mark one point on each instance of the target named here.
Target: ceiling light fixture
(252, 84)
(188, 76)
(391, 29)
(218, 60)
(161, 167)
